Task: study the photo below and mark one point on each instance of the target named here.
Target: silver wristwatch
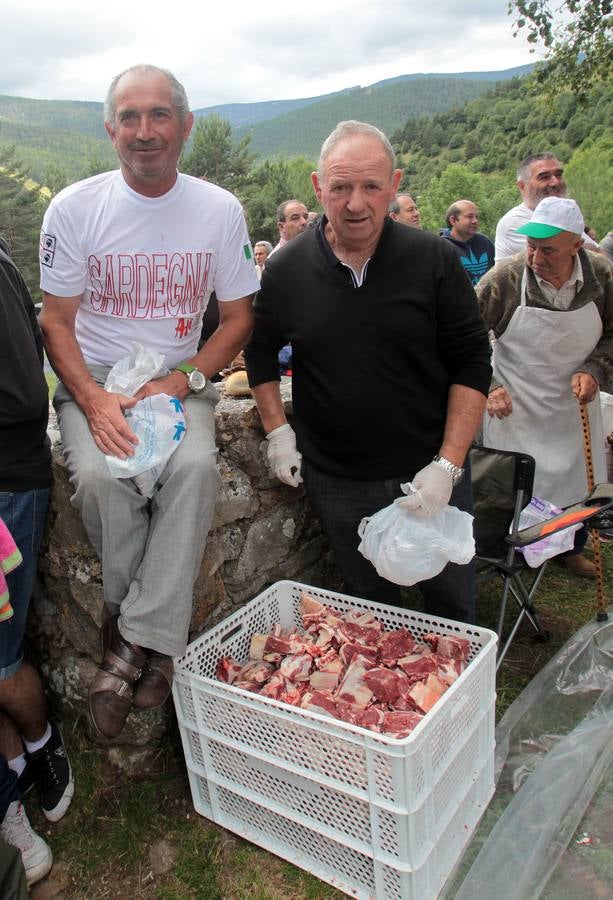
(457, 474)
(196, 380)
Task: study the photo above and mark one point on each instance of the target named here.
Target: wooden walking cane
(601, 602)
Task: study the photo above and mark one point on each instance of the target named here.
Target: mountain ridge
(68, 136)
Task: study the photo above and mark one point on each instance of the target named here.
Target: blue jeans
(23, 513)
(341, 503)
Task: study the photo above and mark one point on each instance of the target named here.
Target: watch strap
(456, 472)
(186, 368)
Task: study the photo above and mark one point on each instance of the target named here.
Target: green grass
(103, 846)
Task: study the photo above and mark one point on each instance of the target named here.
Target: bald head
(462, 219)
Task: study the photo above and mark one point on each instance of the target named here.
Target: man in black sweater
(32, 745)
(390, 366)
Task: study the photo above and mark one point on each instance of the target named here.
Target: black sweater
(372, 365)
(25, 456)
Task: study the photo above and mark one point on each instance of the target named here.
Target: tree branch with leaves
(576, 36)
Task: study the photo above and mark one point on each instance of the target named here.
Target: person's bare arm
(270, 406)
(465, 407)
(104, 411)
(231, 335)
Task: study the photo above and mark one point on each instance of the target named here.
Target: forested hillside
(238, 114)
(21, 212)
(487, 138)
(60, 141)
(302, 132)
(469, 151)
(67, 115)
(55, 157)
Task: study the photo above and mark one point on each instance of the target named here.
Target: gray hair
(178, 94)
(265, 244)
(523, 173)
(394, 207)
(350, 129)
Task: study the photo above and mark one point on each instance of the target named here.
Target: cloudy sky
(241, 52)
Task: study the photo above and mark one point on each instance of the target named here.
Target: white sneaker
(16, 830)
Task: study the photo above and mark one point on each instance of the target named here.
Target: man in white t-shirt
(133, 255)
(539, 175)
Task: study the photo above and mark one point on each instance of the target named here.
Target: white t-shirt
(145, 266)
(508, 243)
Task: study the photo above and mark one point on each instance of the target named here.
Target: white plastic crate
(372, 815)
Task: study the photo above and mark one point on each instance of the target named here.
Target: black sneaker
(27, 779)
(53, 776)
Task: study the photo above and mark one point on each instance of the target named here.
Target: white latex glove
(429, 492)
(283, 457)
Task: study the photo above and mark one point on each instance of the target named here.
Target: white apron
(535, 359)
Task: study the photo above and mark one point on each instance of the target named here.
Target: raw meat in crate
(346, 665)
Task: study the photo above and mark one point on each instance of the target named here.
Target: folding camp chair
(502, 486)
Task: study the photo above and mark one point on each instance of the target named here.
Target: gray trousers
(150, 550)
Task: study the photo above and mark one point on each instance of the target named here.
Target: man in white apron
(549, 312)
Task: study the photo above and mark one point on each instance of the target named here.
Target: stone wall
(263, 532)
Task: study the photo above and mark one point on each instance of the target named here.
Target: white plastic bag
(538, 511)
(157, 421)
(159, 424)
(132, 372)
(405, 548)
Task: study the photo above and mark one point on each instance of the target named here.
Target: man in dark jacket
(475, 250)
(390, 364)
(32, 745)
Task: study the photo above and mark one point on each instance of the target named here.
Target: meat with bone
(256, 670)
(346, 665)
(329, 662)
(319, 702)
(274, 687)
(294, 643)
(348, 651)
(353, 688)
(448, 645)
(324, 681)
(350, 632)
(296, 668)
(426, 694)
(418, 667)
(227, 670)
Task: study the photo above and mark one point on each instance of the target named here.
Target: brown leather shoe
(154, 685)
(580, 565)
(110, 693)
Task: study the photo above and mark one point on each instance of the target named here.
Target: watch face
(196, 381)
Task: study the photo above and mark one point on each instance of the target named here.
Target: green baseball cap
(552, 216)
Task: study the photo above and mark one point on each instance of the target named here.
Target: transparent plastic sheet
(554, 753)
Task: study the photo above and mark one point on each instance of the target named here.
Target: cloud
(245, 52)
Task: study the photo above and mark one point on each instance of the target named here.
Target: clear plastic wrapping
(554, 754)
